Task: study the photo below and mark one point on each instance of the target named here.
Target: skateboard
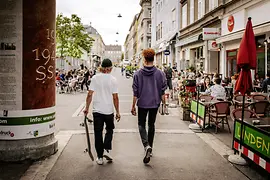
(88, 149)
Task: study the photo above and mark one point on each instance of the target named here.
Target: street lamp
(119, 15)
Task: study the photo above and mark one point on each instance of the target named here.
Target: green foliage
(132, 68)
(71, 36)
(122, 57)
(185, 99)
(192, 68)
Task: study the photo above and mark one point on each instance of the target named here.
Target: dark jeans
(84, 82)
(147, 139)
(99, 120)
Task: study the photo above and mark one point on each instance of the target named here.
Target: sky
(103, 16)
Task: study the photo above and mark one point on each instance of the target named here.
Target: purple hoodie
(149, 84)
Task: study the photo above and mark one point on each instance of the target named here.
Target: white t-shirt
(217, 91)
(104, 86)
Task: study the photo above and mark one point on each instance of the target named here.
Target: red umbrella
(246, 60)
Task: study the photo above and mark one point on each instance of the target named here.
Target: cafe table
(199, 110)
(255, 140)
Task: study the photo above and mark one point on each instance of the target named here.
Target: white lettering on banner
(3, 122)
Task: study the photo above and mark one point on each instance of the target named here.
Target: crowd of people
(74, 80)
(211, 84)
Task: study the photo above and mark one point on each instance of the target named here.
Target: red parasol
(246, 60)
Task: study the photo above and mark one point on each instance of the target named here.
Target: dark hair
(218, 81)
(268, 74)
(149, 54)
(207, 78)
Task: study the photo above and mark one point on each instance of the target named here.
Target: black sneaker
(148, 151)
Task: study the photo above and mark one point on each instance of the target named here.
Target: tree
(122, 56)
(71, 37)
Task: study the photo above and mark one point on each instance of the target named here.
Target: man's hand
(118, 117)
(133, 111)
(85, 112)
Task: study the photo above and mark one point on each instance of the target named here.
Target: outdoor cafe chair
(238, 98)
(237, 114)
(222, 110)
(260, 107)
(259, 97)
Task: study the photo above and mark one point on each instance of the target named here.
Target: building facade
(200, 26)
(144, 30)
(233, 23)
(70, 63)
(165, 26)
(114, 53)
(131, 42)
(211, 31)
(98, 49)
(139, 37)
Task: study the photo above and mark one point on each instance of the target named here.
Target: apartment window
(184, 15)
(200, 9)
(213, 4)
(149, 43)
(191, 16)
(173, 18)
(150, 28)
(156, 33)
(160, 30)
(150, 12)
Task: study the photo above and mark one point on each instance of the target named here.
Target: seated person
(266, 83)
(217, 91)
(73, 82)
(206, 84)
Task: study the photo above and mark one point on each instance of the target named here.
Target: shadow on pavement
(13, 171)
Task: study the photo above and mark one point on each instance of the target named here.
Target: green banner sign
(254, 139)
(201, 109)
(17, 121)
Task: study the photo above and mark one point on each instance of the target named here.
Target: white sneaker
(148, 151)
(107, 156)
(99, 161)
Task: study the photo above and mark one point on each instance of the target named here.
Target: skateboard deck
(88, 149)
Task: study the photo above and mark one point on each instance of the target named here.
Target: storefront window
(231, 62)
(260, 46)
(268, 57)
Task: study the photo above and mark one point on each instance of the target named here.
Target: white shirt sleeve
(114, 86)
(93, 84)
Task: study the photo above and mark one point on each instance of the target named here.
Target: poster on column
(27, 66)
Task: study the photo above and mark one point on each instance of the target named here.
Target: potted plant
(185, 99)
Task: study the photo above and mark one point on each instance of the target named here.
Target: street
(178, 152)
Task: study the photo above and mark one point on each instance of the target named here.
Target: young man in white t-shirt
(104, 92)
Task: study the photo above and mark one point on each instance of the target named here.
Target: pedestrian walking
(149, 85)
(104, 92)
(85, 79)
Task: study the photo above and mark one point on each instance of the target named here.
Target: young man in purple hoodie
(149, 85)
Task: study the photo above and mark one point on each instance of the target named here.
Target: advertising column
(27, 78)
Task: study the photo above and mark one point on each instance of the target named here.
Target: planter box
(185, 114)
